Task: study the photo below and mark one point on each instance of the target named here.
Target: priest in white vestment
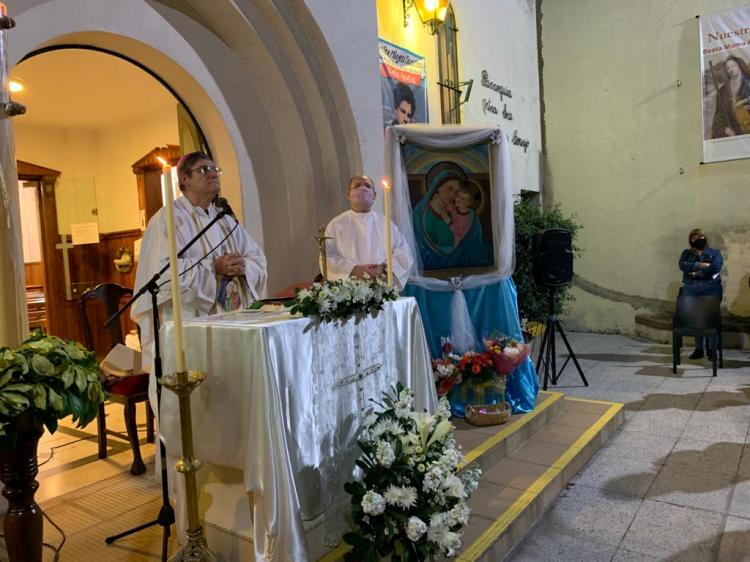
(224, 270)
(357, 246)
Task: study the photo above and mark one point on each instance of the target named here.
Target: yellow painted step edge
(471, 456)
(486, 539)
(486, 445)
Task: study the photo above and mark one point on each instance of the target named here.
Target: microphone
(223, 204)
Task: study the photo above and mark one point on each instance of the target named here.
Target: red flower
(475, 369)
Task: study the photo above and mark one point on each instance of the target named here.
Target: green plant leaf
(55, 399)
(68, 376)
(81, 381)
(42, 365)
(39, 396)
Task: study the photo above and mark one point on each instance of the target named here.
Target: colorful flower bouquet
(343, 299)
(506, 353)
(409, 503)
(478, 379)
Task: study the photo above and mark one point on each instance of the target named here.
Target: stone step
(515, 492)
(525, 462)
(490, 445)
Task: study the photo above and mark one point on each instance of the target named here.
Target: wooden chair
(699, 317)
(36, 306)
(127, 391)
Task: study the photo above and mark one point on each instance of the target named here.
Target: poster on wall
(725, 55)
(403, 86)
(451, 203)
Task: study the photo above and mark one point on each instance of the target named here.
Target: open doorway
(92, 117)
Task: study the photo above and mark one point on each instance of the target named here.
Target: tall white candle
(388, 246)
(174, 272)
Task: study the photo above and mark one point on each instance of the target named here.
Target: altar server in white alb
(224, 270)
(357, 246)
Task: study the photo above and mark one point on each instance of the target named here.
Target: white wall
(106, 155)
(500, 37)
(118, 148)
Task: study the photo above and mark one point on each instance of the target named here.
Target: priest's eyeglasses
(205, 170)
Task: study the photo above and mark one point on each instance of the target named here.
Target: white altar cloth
(275, 407)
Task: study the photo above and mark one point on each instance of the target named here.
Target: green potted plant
(42, 381)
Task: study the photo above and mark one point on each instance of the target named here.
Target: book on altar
(121, 361)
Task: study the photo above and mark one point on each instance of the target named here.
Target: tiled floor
(674, 483)
(68, 458)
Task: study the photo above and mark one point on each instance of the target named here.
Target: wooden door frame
(54, 289)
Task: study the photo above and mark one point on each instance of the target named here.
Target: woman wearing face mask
(357, 244)
(700, 267)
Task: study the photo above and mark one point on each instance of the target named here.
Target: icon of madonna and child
(452, 218)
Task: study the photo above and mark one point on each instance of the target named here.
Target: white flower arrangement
(343, 299)
(410, 501)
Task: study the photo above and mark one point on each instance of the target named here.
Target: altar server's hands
(371, 269)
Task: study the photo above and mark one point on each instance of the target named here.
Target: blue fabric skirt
(492, 308)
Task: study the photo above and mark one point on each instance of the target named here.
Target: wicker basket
(488, 414)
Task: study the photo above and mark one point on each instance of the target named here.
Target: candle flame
(385, 184)
(163, 162)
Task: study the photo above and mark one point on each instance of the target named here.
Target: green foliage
(530, 219)
(52, 379)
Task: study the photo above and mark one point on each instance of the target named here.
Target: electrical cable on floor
(59, 530)
(49, 458)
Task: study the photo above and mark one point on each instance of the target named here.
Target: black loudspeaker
(553, 257)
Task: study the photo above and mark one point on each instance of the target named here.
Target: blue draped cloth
(492, 308)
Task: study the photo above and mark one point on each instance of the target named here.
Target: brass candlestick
(196, 549)
(321, 238)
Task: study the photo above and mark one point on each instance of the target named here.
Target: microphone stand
(166, 516)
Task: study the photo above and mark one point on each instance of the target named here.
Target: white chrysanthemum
(452, 486)
(373, 503)
(324, 305)
(384, 454)
(336, 294)
(304, 294)
(361, 293)
(402, 496)
(386, 426)
(415, 528)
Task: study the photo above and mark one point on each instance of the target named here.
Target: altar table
(283, 403)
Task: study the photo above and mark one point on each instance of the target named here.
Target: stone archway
(263, 87)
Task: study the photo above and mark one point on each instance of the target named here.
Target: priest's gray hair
(187, 162)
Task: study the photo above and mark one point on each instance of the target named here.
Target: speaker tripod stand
(548, 353)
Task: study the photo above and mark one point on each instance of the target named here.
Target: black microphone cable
(211, 251)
